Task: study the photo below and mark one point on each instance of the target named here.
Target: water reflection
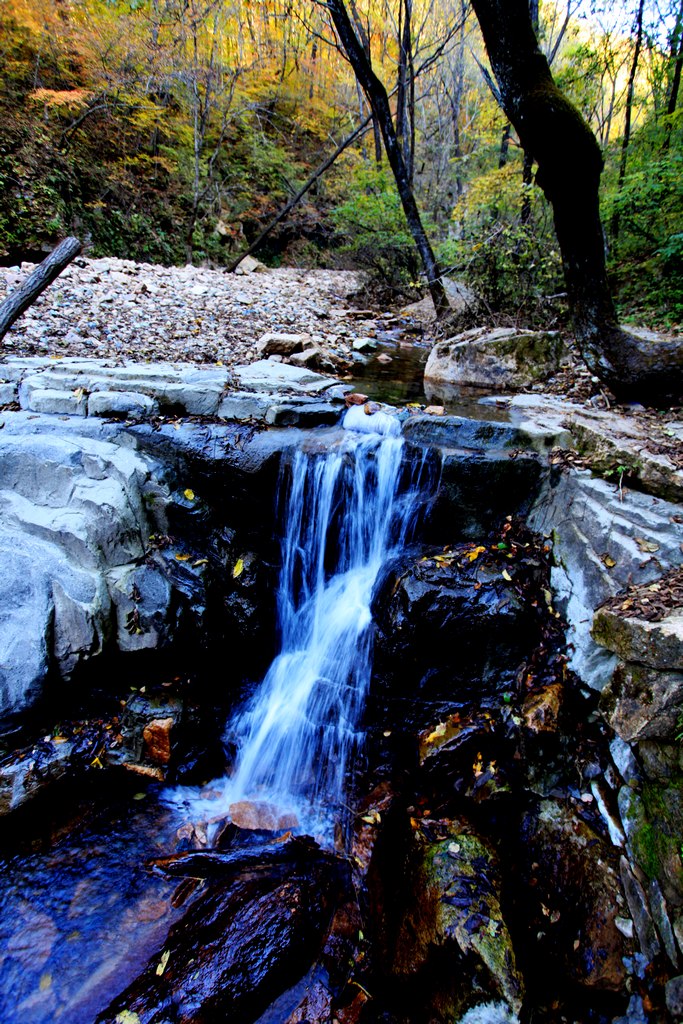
(81, 916)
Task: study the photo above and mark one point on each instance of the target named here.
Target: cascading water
(347, 510)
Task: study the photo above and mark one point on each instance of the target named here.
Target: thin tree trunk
(569, 162)
(626, 138)
(18, 301)
(405, 88)
(504, 147)
(677, 60)
(379, 102)
(527, 169)
(256, 244)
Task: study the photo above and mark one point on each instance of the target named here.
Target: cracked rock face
(72, 510)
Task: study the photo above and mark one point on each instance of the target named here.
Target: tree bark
(379, 103)
(19, 301)
(569, 168)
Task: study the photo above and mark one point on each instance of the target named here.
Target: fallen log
(18, 301)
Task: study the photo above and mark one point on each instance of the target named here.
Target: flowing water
(347, 511)
(81, 913)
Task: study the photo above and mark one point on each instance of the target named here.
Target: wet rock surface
(455, 915)
(235, 945)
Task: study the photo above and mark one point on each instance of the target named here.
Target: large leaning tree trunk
(379, 103)
(569, 162)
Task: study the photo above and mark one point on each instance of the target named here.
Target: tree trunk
(18, 301)
(569, 168)
(379, 102)
(626, 138)
(677, 62)
(405, 80)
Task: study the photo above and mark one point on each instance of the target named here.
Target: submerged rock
(259, 815)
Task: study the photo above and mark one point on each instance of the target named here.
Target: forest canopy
(173, 130)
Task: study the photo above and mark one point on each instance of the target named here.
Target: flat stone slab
(101, 387)
(460, 432)
(658, 645)
(267, 375)
(52, 400)
(130, 404)
(8, 393)
(610, 439)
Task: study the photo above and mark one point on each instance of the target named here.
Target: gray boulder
(503, 359)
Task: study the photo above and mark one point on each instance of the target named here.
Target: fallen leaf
(238, 567)
(608, 561)
(474, 553)
(189, 494)
(506, 575)
(646, 545)
(182, 558)
(161, 966)
(200, 561)
(126, 1017)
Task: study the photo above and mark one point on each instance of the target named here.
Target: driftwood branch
(19, 301)
(363, 127)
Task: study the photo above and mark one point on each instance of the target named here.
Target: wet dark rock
(237, 947)
(466, 755)
(27, 772)
(573, 898)
(261, 853)
(541, 709)
(460, 432)
(640, 911)
(149, 729)
(452, 626)
(674, 996)
(35, 768)
(477, 488)
(247, 605)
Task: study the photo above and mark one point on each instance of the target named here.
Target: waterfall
(346, 511)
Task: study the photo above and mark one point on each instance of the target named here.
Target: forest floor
(111, 308)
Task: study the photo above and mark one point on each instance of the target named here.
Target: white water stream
(347, 510)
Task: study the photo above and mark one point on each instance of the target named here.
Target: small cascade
(346, 511)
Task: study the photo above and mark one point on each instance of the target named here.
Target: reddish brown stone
(255, 814)
(157, 737)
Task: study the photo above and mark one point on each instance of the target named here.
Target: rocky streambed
(515, 849)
